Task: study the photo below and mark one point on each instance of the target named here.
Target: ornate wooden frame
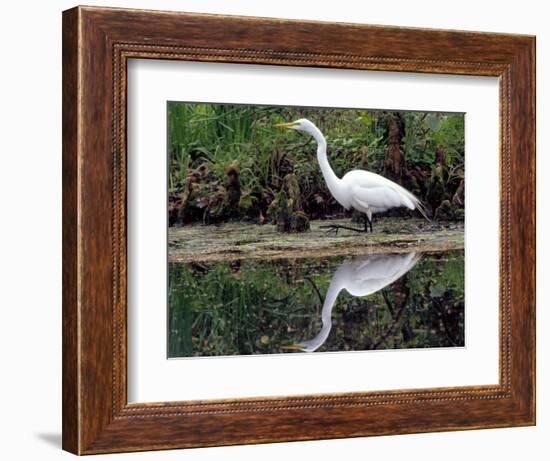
(97, 43)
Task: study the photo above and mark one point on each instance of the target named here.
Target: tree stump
(289, 215)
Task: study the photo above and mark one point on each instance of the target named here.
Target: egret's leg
(368, 219)
(368, 224)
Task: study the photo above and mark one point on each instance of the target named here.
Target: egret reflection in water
(254, 306)
(361, 276)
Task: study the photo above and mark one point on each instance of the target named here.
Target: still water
(307, 305)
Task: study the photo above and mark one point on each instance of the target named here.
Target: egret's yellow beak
(292, 347)
(285, 125)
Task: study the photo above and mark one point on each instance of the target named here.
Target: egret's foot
(336, 227)
(330, 229)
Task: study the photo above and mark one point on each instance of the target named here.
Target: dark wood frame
(97, 43)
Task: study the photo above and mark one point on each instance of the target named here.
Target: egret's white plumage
(361, 276)
(359, 189)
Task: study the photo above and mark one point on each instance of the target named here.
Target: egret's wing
(380, 193)
(372, 273)
(385, 265)
(383, 197)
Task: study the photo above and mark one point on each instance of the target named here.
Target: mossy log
(244, 240)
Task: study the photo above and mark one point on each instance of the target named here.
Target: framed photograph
(285, 230)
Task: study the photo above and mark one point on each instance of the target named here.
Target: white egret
(361, 276)
(362, 190)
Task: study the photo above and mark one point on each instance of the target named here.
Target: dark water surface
(380, 301)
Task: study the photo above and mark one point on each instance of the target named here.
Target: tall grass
(223, 134)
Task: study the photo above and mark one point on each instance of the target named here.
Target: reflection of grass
(254, 307)
(180, 342)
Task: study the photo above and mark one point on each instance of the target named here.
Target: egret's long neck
(334, 289)
(331, 179)
(330, 299)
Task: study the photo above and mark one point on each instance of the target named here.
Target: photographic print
(258, 241)
(307, 230)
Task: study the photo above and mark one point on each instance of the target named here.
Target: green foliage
(425, 132)
(218, 134)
